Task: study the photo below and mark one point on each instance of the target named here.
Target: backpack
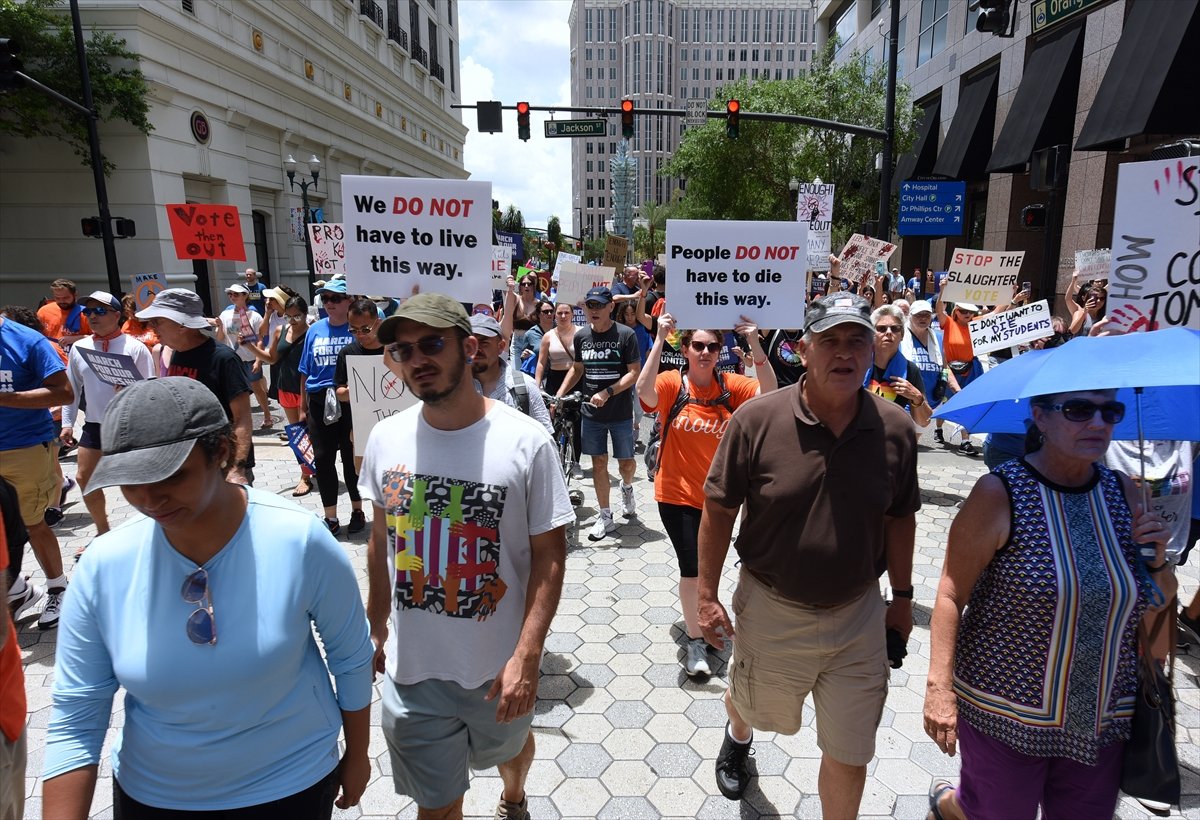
(659, 434)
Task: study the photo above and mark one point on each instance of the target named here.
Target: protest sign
(1012, 327)
(116, 369)
(403, 232)
(301, 446)
(576, 280)
(814, 205)
(1093, 265)
(564, 258)
(206, 232)
(982, 277)
(146, 286)
(1154, 280)
(719, 270)
(501, 267)
(514, 242)
(328, 243)
(615, 250)
(860, 255)
(375, 394)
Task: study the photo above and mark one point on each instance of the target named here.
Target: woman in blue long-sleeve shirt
(203, 610)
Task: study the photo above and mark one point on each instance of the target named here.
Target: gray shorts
(435, 728)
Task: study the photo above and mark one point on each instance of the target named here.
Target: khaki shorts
(31, 472)
(784, 650)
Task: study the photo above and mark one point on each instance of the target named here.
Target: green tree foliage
(512, 221)
(747, 178)
(649, 243)
(48, 52)
(553, 240)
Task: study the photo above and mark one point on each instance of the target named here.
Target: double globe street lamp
(314, 169)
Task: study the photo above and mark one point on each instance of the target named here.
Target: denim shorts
(596, 433)
(251, 373)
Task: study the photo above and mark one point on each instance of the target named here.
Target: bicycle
(566, 415)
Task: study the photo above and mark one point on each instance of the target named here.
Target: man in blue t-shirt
(33, 379)
(256, 288)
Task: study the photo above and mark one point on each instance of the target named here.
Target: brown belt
(791, 600)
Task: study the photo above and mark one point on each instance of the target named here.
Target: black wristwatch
(902, 593)
(609, 391)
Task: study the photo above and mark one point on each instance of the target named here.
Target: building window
(745, 26)
(189, 6)
(589, 202)
(588, 27)
(414, 23)
(450, 13)
(720, 74)
(767, 27)
(791, 27)
(876, 7)
(754, 56)
(612, 25)
(591, 184)
(844, 24)
(601, 183)
(450, 45)
(932, 40)
(720, 25)
(589, 147)
(683, 24)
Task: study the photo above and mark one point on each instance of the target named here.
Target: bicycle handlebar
(570, 398)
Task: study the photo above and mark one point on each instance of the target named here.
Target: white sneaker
(696, 661)
(603, 526)
(1154, 806)
(576, 470)
(21, 604)
(629, 509)
(49, 617)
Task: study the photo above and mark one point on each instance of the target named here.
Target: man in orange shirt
(63, 319)
(12, 702)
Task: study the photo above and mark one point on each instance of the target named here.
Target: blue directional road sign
(933, 208)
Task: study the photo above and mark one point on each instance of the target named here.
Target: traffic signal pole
(889, 128)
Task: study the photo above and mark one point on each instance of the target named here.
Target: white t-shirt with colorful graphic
(461, 506)
(1169, 479)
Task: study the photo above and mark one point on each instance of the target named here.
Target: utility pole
(889, 127)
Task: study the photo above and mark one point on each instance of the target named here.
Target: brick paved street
(621, 732)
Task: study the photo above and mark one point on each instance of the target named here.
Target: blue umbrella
(1157, 374)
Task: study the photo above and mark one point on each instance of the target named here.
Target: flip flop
(308, 488)
(936, 790)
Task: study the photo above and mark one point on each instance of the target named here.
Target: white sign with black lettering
(814, 205)
(501, 267)
(1020, 325)
(575, 280)
(375, 394)
(982, 277)
(116, 369)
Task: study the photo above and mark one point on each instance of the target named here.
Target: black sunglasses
(333, 299)
(1081, 410)
(201, 625)
(429, 346)
(97, 311)
(595, 305)
(895, 329)
(547, 310)
(711, 347)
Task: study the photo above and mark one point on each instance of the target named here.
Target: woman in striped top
(1036, 679)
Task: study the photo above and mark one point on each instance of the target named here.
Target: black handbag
(1151, 764)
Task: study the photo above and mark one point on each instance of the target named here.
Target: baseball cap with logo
(179, 305)
(150, 428)
(432, 309)
(105, 298)
(835, 309)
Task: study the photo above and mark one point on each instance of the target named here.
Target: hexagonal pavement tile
(592, 674)
(630, 664)
(629, 592)
(598, 615)
(630, 607)
(716, 807)
(551, 713)
(628, 744)
(628, 687)
(587, 728)
(597, 633)
(673, 760)
(563, 642)
(669, 700)
(628, 778)
(676, 796)
(628, 714)
(707, 713)
(555, 687)
(771, 796)
(586, 700)
(670, 728)
(625, 625)
(583, 760)
(629, 643)
(665, 674)
(580, 797)
(661, 615)
(628, 808)
(593, 652)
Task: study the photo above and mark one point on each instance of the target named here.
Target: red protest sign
(206, 232)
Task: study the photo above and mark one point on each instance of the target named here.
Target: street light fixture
(314, 169)
(794, 194)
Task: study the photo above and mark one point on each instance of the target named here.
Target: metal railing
(397, 35)
(420, 55)
(372, 11)
(438, 72)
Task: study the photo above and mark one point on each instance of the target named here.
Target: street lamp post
(794, 195)
(314, 168)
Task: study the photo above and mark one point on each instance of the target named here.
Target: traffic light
(1033, 217)
(523, 120)
(733, 111)
(91, 227)
(627, 119)
(994, 17)
(124, 228)
(10, 64)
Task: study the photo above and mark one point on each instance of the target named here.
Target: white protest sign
(375, 394)
(814, 205)
(860, 255)
(433, 233)
(718, 271)
(116, 369)
(1011, 327)
(501, 266)
(564, 258)
(576, 280)
(1093, 264)
(146, 286)
(328, 243)
(982, 277)
(1155, 276)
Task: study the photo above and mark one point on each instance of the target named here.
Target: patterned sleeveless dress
(1046, 659)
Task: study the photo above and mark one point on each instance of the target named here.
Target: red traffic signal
(733, 109)
(91, 227)
(627, 119)
(1033, 217)
(523, 120)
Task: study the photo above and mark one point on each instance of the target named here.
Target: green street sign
(1047, 13)
(576, 128)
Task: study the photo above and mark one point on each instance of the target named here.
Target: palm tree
(655, 216)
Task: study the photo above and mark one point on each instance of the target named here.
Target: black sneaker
(358, 521)
(1190, 627)
(733, 767)
(939, 437)
(52, 516)
(333, 525)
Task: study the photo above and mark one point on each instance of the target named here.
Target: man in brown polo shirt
(828, 476)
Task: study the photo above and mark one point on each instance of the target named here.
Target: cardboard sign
(860, 255)
(328, 243)
(982, 277)
(720, 270)
(501, 267)
(616, 248)
(206, 232)
(116, 369)
(814, 205)
(576, 280)
(432, 233)
(1154, 280)
(375, 394)
(1020, 325)
(562, 259)
(1093, 265)
(146, 286)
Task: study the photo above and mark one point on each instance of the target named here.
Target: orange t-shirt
(956, 342)
(695, 433)
(53, 318)
(12, 678)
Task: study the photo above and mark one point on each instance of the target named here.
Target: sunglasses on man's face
(362, 331)
(333, 299)
(97, 311)
(201, 624)
(428, 345)
(595, 305)
(1082, 410)
(711, 347)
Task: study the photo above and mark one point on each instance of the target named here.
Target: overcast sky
(515, 50)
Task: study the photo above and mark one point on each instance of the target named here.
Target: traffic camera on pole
(627, 119)
(523, 120)
(733, 110)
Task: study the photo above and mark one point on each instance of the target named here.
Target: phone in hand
(1026, 287)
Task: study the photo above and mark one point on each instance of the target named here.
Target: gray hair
(890, 311)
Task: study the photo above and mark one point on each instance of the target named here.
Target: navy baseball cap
(602, 295)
